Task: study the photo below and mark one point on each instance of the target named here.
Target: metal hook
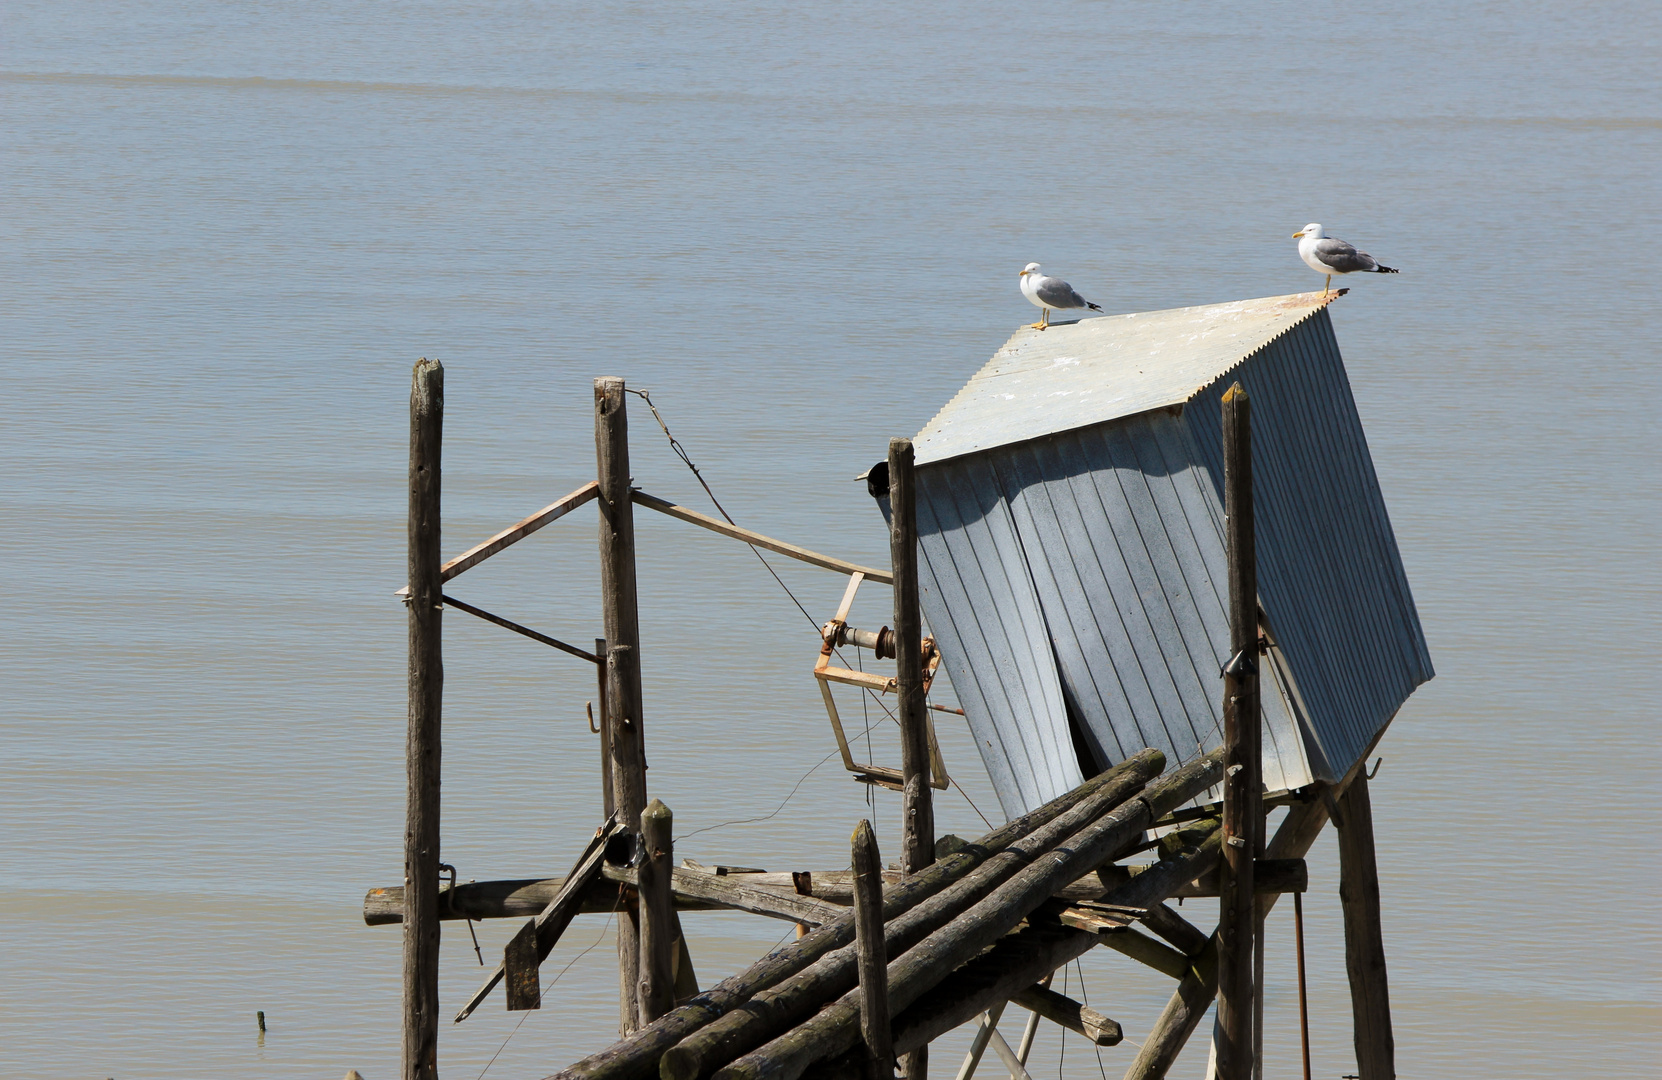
(1377, 762)
(588, 707)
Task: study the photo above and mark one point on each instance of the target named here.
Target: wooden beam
(778, 547)
(623, 672)
(692, 887)
(657, 987)
(769, 1013)
(537, 938)
(834, 1028)
(1196, 992)
(513, 534)
(422, 744)
(639, 1056)
(917, 808)
(1370, 996)
(872, 952)
(1063, 1010)
(1243, 785)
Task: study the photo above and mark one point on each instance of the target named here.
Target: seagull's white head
(1312, 230)
(1030, 268)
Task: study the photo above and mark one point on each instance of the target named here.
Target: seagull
(1325, 255)
(1051, 294)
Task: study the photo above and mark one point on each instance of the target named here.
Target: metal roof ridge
(1036, 413)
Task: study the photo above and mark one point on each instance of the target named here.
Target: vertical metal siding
(1330, 575)
(979, 601)
(1085, 572)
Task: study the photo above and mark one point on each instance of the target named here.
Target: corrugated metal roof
(1076, 580)
(1074, 374)
(1330, 576)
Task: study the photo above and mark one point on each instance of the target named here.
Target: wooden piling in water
(658, 926)
(873, 953)
(422, 745)
(623, 678)
(916, 800)
(1364, 941)
(1243, 785)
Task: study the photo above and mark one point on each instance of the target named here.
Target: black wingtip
(1098, 307)
(1385, 270)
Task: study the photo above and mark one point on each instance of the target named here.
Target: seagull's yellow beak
(1298, 236)
(1024, 273)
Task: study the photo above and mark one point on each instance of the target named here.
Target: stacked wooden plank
(976, 928)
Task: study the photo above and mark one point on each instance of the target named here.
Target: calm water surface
(229, 228)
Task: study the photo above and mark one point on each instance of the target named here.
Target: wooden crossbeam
(514, 533)
(778, 547)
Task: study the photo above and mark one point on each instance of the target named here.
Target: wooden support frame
(756, 539)
(1243, 814)
(423, 744)
(514, 533)
(623, 666)
(1364, 940)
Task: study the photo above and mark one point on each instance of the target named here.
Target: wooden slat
(513, 534)
(536, 939)
(728, 891)
(778, 547)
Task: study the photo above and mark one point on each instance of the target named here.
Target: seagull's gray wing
(1058, 294)
(1342, 258)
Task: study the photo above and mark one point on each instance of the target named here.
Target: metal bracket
(832, 634)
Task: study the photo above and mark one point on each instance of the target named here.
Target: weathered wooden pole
(658, 925)
(1303, 997)
(918, 845)
(916, 800)
(1242, 787)
(873, 953)
(607, 802)
(1198, 989)
(623, 673)
(426, 689)
(1364, 943)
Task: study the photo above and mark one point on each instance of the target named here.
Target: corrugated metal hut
(1070, 509)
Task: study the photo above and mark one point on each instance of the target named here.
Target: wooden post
(426, 689)
(873, 953)
(916, 800)
(918, 846)
(623, 673)
(607, 802)
(1364, 944)
(1242, 787)
(657, 912)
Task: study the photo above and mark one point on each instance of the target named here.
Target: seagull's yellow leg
(1044, 320)
(1327, 286)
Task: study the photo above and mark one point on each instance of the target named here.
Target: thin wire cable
(681, 452)
(541, 992)
(764, 817)
(1086, 998)
(960, 789)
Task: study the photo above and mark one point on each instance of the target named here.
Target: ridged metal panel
(978, 599)
(1119, 536)
(1075, 575)
(1330, 576)
(1085, 372)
